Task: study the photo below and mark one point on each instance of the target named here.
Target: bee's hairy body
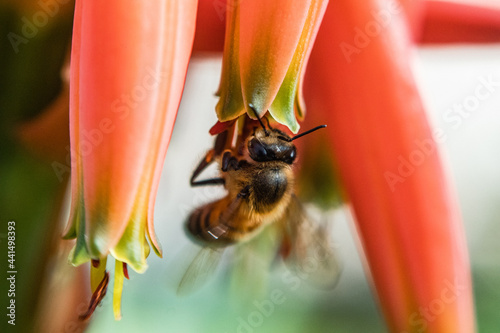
(259, 191)
(269, 186)
(256, 170)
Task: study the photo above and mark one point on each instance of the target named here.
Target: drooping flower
(128, 65)
(264, 55)
(121, 120)
(359, 79)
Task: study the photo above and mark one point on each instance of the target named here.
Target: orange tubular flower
(129, 62)
(359, 78)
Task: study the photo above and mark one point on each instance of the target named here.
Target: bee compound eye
(257, 151)
(290, 156)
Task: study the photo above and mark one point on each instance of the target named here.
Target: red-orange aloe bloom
(360, 81)
(128, 66)
(359, 78)
(267, 43)
(129, 61)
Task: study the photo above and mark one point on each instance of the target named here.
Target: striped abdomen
(222, 222)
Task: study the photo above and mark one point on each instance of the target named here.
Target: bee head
(271, 145)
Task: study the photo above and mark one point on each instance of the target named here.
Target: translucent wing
(200, 270)
(212, 238)
(250, 266)
(307, 248)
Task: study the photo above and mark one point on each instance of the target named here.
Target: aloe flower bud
(264, 55)
(128, 64)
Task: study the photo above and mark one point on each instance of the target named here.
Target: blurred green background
(29, 81)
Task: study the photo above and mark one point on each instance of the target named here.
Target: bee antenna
(268, 124)
(308, 132)
(258, 118)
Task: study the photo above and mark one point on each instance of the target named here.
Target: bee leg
(229, 162)
(220, 142)
(211, 181)
(244, 193)
(209, 158)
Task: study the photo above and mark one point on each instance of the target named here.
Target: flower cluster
(128, 65)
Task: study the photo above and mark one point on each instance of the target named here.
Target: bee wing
(251, 264)
(307, 248)
(206, 261)
(200, 270)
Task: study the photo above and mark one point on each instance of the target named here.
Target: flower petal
(263, 60)
(289, 96)
(127, 79)
(178, 30)
(409, 223)
(230, 104)
(269, 34)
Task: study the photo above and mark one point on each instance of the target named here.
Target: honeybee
(258, 175)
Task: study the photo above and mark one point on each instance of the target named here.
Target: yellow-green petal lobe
(269, 34)
(287, 102)
(230, 104)
(97, 273)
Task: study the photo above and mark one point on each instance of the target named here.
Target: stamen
(125, 271)
(96, 298)
(95, 263)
